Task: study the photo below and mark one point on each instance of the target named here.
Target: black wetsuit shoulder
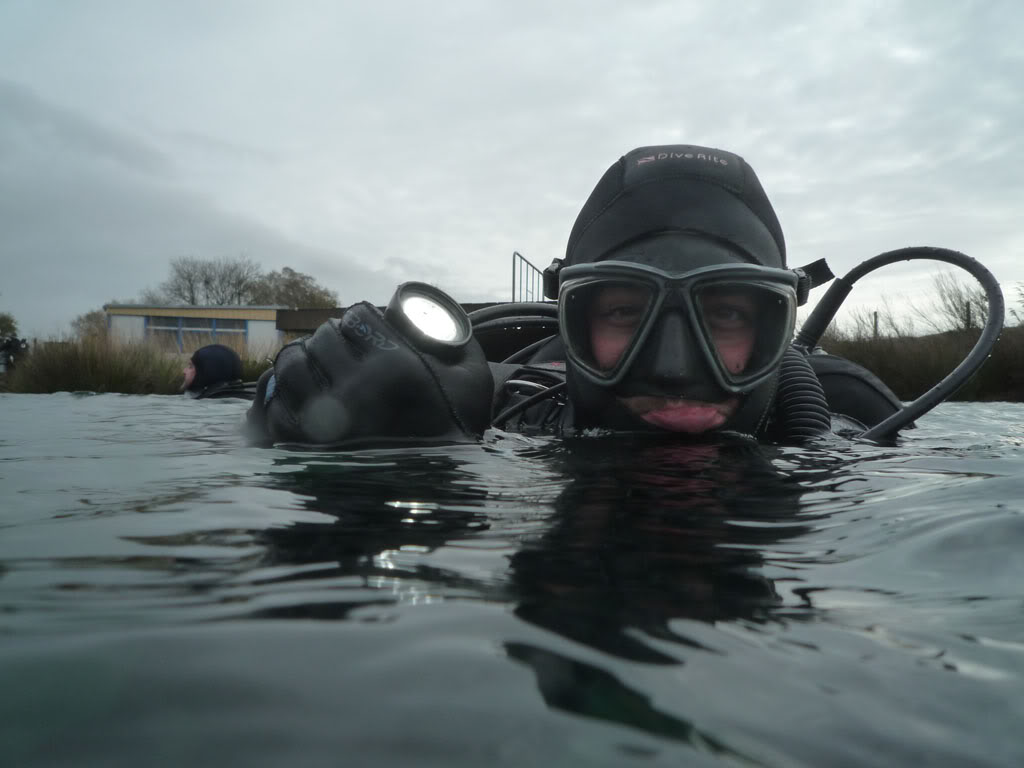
(242, 390)
(852, 390)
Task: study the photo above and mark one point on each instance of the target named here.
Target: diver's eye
(729, 318)
(621, 315)
(620, 306)
(731, 312)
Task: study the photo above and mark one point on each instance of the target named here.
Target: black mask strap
(811, 276)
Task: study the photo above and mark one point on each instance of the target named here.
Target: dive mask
(741, 317)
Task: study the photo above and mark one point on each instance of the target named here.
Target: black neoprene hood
(215, 364)
(677, 207)
(678, 188)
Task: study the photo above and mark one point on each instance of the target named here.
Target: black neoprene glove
(358, 380)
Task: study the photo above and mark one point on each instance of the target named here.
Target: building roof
(227, 313)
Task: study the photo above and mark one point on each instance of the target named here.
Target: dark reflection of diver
(651, 530)
(645, 531)
(648, 531)
(379, 502)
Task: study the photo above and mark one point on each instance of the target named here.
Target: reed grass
(95, 364)
(913, 365)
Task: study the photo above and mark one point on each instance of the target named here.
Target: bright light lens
(430, 318)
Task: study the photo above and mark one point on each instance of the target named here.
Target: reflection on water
(644, 533)
(615, 600)
(378, 515)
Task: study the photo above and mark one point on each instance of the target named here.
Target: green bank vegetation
(912, 365)
(913, 349)
(96, 364)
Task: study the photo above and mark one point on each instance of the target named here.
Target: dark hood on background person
(215, 364)
(678, 188)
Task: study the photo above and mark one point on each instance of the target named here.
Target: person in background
(214, 371)
(11, 348)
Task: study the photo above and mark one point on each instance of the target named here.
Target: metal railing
(527, 280)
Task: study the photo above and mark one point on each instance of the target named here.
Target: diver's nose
(672, 353)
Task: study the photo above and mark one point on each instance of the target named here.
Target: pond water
(172, 596)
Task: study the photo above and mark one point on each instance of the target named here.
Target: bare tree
(153, 297)
(863, 324)
(221, 282)
(90, 325)
(185, 285)
(8, 325)
(894, 323)
(1018, 314)
(955, 306)
(237, 281)
(293, 289)
(230, 282)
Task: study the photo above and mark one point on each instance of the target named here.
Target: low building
(253, 329)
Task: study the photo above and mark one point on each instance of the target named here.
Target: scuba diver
(676, 314)
(11, 348)
(215, 371)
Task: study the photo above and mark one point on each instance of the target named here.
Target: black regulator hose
(519, 321)
(823, 314)
(520, 314)
(536, 314)
(802, 408)
(513, 310)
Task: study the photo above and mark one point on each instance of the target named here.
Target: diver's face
(731, 318)
(190, 374)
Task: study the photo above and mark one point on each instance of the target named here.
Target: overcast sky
(370, 143)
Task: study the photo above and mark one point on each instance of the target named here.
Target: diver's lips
(678, 415)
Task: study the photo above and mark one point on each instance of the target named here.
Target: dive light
(429, 317)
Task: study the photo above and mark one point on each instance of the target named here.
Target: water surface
(171, 596)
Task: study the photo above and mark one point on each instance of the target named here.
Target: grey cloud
(30, 126)
(75, 232)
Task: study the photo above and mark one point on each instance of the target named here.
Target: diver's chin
(677, 414)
